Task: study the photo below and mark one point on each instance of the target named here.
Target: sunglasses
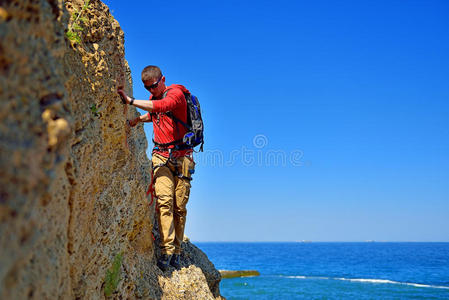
(154, 85)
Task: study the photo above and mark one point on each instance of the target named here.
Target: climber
(172, 159)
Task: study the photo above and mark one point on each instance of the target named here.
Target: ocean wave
(369, 280)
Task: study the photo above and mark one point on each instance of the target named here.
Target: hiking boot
(163, 262)
(175, 261)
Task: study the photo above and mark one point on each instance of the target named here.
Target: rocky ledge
(241, 273)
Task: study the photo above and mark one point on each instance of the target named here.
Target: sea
(333, 270)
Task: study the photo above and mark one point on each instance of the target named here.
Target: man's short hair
(151, 72)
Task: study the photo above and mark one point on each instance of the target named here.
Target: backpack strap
(166, 145)
(170, 114)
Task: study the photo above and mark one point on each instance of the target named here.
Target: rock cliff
(75, 222)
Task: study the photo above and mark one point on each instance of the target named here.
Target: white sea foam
(425, 285)
(368, 280)
(384, 281)
(306, 277)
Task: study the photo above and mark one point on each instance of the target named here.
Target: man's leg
(164, 187)
(180, 211)
(182, 193)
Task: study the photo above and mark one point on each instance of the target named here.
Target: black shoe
(163, 262)
(175, 261)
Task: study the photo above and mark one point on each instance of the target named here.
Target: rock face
(75, 221)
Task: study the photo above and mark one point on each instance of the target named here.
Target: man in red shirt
(172, 160)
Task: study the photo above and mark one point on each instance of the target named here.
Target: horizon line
(311, 241)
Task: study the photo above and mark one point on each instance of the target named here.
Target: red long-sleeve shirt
(166, 129)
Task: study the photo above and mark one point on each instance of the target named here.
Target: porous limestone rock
(73, 175)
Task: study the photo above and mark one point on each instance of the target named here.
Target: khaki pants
(172, 190)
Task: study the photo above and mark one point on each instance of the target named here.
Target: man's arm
(169, 103)
(142, 104)
(141, 118)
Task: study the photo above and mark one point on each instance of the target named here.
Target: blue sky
(325, 120)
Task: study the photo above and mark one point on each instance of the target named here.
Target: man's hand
(123, 96)
(141, 118)
(134, 122)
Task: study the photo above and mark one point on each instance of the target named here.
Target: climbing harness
(175, 171)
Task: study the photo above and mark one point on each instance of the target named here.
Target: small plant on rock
(75, 27)
(94, 110)
(113, 275)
